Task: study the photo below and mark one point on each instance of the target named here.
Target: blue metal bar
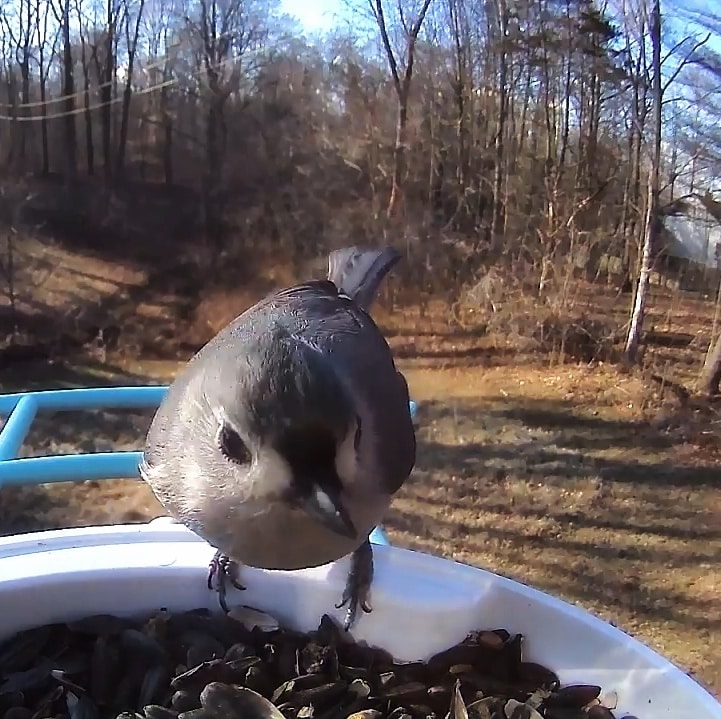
(70, 468)
(57, 400)
(17, 427)
(21, 409)
(378, 537)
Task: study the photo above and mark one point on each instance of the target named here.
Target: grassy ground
(580, 480)
(548, 476)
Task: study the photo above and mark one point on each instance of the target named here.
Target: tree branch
(697, 46)
(377, 8)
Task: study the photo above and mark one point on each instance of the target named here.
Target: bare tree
(61, 10)
(500, 32)
(402, 77)
(526, 131)
(652, 220)
(22, 35)
(46, 47)
(225, 35)
(87, 97)
(131, 41)
(104, 54)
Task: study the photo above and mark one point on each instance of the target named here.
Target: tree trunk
(167, 120)
(711, 372)
(41, 30)
(71, 160)
(642, 287)
(460, 88)
(87, 114)
(497, 222)
(652, 224)
(25, 98)
(45, 168)
(399, 149)
(402, 86)
(11, 90)
(106, 90)
(128, 90)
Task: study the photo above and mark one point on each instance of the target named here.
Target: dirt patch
(58, 284)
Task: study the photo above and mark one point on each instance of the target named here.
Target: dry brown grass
(57, 284)
(554, 477)
(578, 479)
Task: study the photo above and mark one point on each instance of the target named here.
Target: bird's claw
(357, 588)
(221, 570)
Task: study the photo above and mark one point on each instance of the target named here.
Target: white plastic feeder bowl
(421, 605)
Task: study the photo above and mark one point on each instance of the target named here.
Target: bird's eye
(232, 446)
(358, 434)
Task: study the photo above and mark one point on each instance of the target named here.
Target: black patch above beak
(327, 511)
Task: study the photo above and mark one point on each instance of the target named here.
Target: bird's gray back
(315, 314)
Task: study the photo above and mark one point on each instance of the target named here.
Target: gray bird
(283, 440)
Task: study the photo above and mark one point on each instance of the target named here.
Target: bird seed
(200, 665)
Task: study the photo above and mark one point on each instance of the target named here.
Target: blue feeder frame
(20, 409)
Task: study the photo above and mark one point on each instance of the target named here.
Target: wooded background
(510, 147)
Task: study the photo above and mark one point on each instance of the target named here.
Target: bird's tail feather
(358, 273)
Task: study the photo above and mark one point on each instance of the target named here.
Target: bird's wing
(348, 334)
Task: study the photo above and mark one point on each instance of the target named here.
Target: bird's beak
(325, 507)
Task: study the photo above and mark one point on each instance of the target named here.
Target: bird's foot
(357, 588)
(221, 570)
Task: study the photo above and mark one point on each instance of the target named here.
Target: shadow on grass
(454, 357)
(585, 579)
(583, 432)
(85, 372)
(451, 333)
(27, 509)
(506, 482)
(61, 505)
(567, 462)
(559, 440)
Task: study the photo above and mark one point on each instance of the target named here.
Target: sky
(321, 15)
(315, 15)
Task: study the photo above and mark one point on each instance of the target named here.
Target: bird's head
(291, 426)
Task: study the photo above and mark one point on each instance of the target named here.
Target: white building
(694, 235)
